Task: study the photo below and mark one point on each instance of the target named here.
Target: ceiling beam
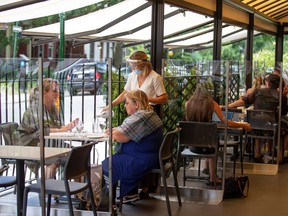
(18, 4)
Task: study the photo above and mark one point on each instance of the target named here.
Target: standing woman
(144, 78)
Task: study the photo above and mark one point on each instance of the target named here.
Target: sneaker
(131, 198)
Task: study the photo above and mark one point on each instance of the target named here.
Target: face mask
(137, 71)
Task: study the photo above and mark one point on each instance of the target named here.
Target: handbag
(96, 183)
(236, 187)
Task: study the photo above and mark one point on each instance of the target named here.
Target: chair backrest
(7, 132)
(78, 163)
(198, 134)
(166, 146)
(262, 119)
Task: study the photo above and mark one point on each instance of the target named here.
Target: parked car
(88, 76)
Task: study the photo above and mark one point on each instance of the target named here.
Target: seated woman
(200, 108)
(28, 132)
(141, 136)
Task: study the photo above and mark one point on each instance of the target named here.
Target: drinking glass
(80, 126)
(94, 125)
(241, 117)
(102, 125)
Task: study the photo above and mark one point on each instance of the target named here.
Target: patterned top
(29, 129)
(140, 124)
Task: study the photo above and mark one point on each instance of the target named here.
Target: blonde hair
(257, 82)
(48, 84)
(145, 64)
(140, 97)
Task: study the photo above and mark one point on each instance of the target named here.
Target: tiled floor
(268, 196)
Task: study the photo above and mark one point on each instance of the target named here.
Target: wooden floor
(268, 196)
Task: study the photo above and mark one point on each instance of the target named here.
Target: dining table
(21, 154)
(75, 136)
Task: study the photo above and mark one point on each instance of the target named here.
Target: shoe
(205, 171)
(131, 198)
(211, 183)
(143, 195)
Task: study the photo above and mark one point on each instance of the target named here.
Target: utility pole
(62, 36)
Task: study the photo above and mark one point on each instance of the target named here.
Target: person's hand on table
(69, 126)
(246, 126)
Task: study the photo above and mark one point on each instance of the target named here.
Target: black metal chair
(264, 126)
(78, 164)
(167, 165)
(7, 132)
(200, 135)
(7, 181)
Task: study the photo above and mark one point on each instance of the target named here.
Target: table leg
(20, 185)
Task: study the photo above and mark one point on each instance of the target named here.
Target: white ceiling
(41, 9)
(93, 22)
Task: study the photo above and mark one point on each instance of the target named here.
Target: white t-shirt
(153, 85)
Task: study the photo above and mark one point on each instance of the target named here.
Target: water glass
(80, 126)
(94, 126)
(102, 125)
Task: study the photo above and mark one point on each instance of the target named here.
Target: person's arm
(117, 101)
(159, 99)
(65, 128)
(119, 137)
(160, 90)
(236, 104)
(219, 113)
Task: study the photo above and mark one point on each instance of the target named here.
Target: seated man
(141, 136)
(263, 99)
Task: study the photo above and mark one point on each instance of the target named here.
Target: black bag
(236, 187)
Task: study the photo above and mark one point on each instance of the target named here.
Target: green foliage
(233, 51)
(135, 48)
(118, 83)
(3, 42)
